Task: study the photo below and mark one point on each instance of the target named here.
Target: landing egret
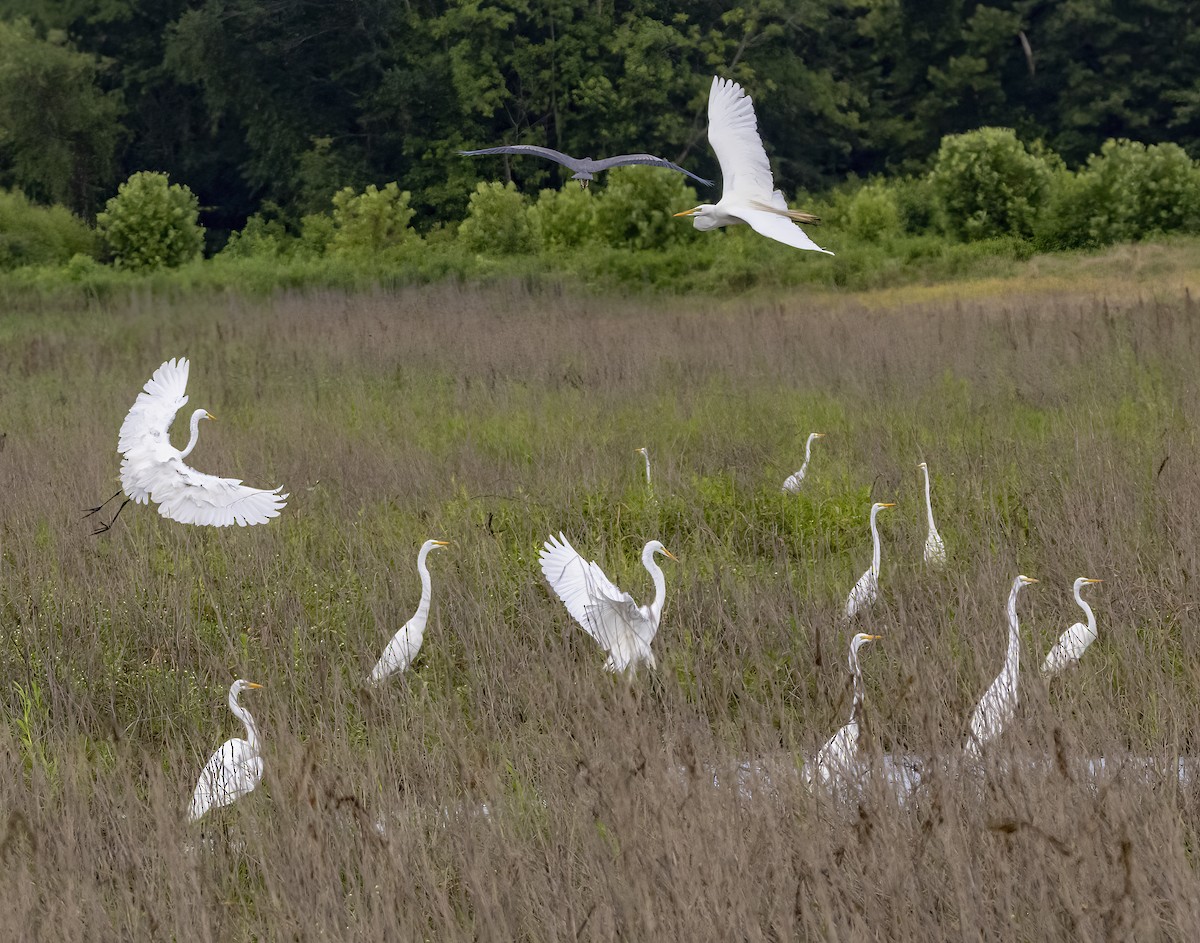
(935, 547)
(585, 167)
(866, 590)
(405, 644)
(837, 758)
(645, 453)
(1075, 641)
(792, 485)
(750, 195)
(998, 704)
(153, 470)
(610, 616)
(235, 768)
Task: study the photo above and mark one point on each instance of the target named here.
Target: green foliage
(151, 223)
(497, 222)
(1127, 192)
(370, 222)
(259, 237)
(39, 235)
(58, 130)
(637, 206)
(988, 184)
(563, 219)
(872, 213)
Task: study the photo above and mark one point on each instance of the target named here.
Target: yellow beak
(667, 553)
(441, 543)
(691, 212)
(251, 684)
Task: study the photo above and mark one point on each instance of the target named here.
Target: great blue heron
(750, 196)
(585, 167)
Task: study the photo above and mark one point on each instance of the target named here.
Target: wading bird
(792, 485)
(935, 547)
(838, 758)
(620, 626)
(154, 470)
(750, 196)
(645, 453)
(866, 590)
(405, 644)
(998, 704)
(1075, 641)
(585, 167)
(237, 766)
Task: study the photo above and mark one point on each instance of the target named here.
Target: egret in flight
(838, 757)
(1075, 641)
(999, 703)
(935, 547)
(866, 590)
(645, 453)
(792, 485)
(610, 616)
(237, 766)
(405, 644)
(750, 196)
(154, 470)
(585, 167)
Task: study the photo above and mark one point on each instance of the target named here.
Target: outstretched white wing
(604, 611)
(191, 497)
(144, 441)
(777, 227)
(733, 134)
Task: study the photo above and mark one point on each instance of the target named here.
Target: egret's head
(861, 639)
(702, 216)
(923, 465)
(1025, 580)
(241, 684)
(879, 506)
(1084, 580)
(817, 435)
(641, 450)
(202, 414)
(655, 546)
(434, 545)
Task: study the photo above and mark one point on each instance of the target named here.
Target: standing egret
(935, 547)
(620, 626)
(235, 768)
(153, 470)
(792, 485)
(405, 644)
(645, 453)
(837, 759)
(1074, 642)
(866, 590)
(585, 167)
(998, 704)
(750, 196)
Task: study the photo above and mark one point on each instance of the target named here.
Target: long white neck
(660, 582)
(646, 456)
(1091, 616)
(856, 706)
(928, 501)
(422, 614)
(195, 437)
(1012, 659)
(875, 541)
(245, 717)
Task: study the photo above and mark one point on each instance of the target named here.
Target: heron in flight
(585, 167)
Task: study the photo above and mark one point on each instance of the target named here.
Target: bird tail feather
(795, 215)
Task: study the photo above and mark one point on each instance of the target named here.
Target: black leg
(103, 527)
(96, 510)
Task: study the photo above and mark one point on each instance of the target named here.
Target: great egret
(837, 758)
(935, 547)
(645, 453)
(792, 485)
(750, 196)
(866, 590)
(998, 704)
(1075, 641)
(621, 627)
(585, 167)
(154, 470)
(405, 644)
(235, 768)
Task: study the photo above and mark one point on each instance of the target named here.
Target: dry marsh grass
(523, 793)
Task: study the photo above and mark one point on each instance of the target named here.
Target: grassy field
(1059, 422)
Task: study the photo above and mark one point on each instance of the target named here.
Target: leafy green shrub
(151, 223)
(916, 204)
(635, 210)
(563, 219)
(497, 222)
(372, 221)
(39, 235)
(872, 213)
(1126, 192)
(988, 184)
(260, 237)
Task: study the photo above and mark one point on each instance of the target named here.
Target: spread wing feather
(733, 134)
